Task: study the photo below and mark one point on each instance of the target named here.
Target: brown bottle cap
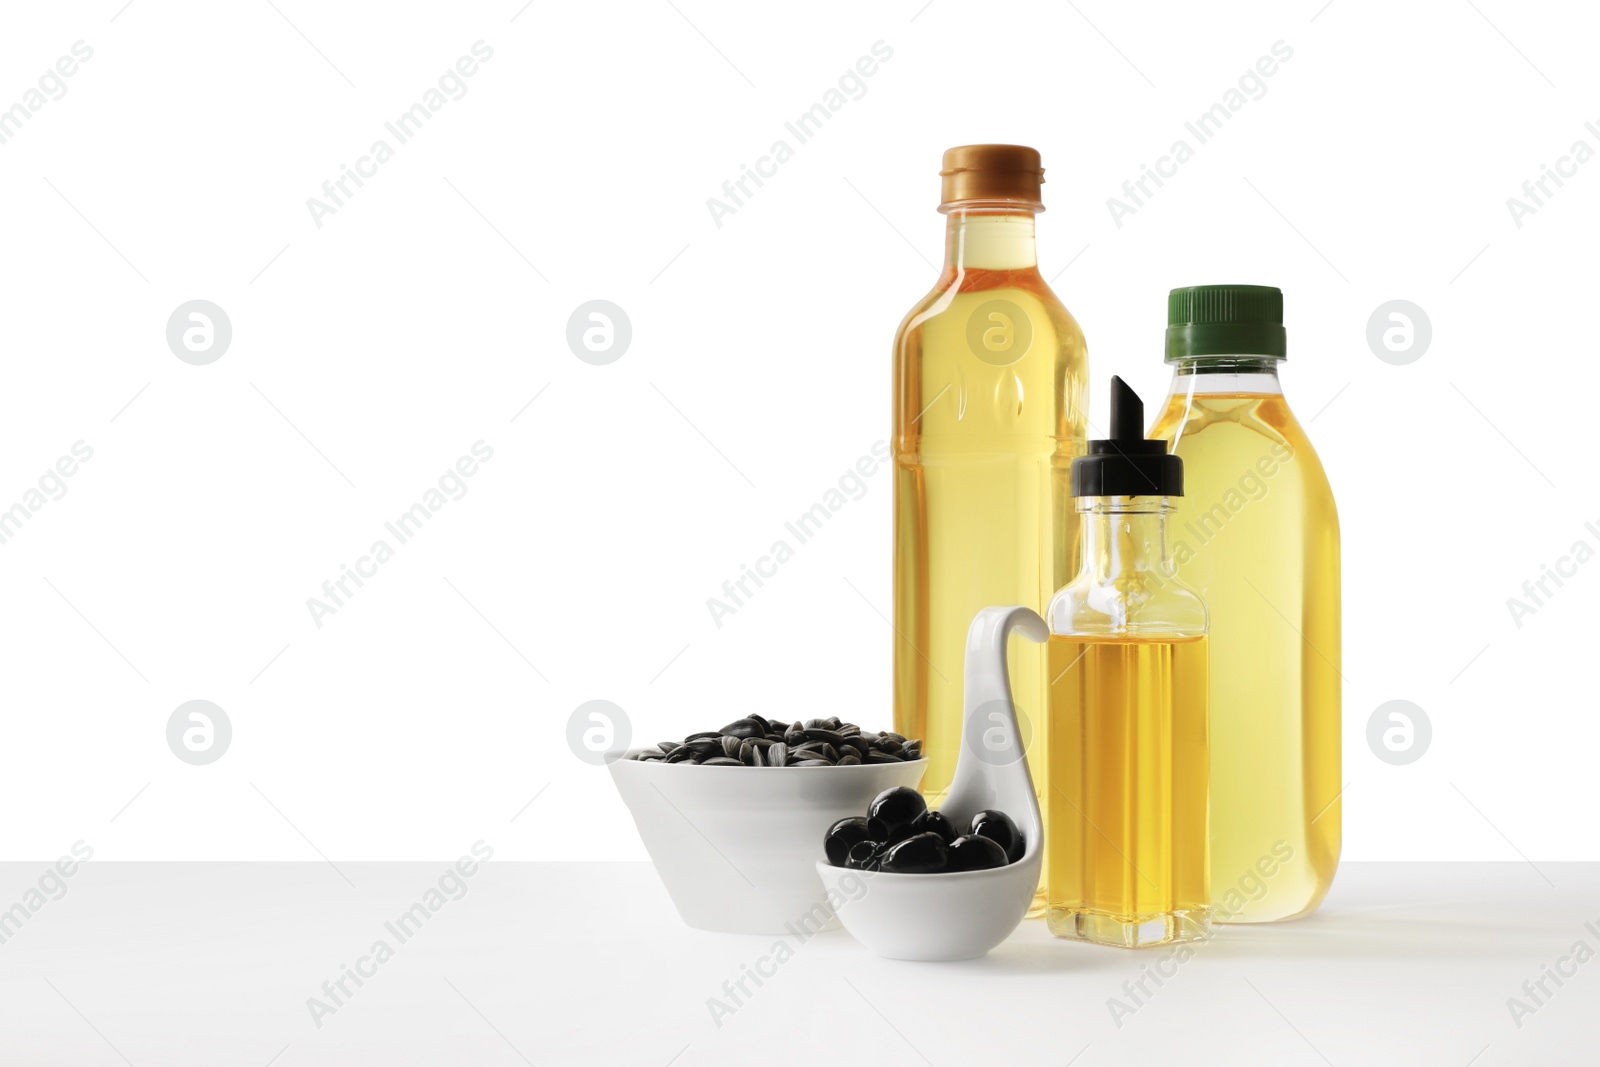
(992, 172)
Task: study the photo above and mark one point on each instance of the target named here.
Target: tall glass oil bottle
(1257, 535)
(990, 380)
(1125, 806)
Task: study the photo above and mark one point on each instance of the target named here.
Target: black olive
(998, 827)
(863, 856)
(842, 836)
(893, 812)
(935, 822)
(974, 853)
(880, 832)
(917, 854)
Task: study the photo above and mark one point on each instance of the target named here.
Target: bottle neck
(1226, 374)
(1125, 537)
(989, 239)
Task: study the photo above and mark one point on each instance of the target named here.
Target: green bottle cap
(1225, 320)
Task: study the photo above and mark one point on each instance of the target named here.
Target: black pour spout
(1127, 463)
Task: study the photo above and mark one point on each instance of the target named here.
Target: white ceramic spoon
(964, 914)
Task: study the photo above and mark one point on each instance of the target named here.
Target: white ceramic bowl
(934, 916)
(961, 915)
(737, 846)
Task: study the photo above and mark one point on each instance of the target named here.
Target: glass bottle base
(1124, 931)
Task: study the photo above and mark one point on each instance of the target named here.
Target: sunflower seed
(756, 741)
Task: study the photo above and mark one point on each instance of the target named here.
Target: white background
(368, 354)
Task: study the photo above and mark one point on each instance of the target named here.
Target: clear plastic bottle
(1126, 829)
(990, 380)
(1258, 536)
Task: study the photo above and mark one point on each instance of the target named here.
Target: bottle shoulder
(1241, 441)
(1149, 604)
(959, 296)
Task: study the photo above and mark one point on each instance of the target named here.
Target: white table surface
(587, 963)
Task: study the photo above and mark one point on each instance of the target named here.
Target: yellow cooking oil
(981, 512)
(990, 403)
(1126, 803)
(1257, 536)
